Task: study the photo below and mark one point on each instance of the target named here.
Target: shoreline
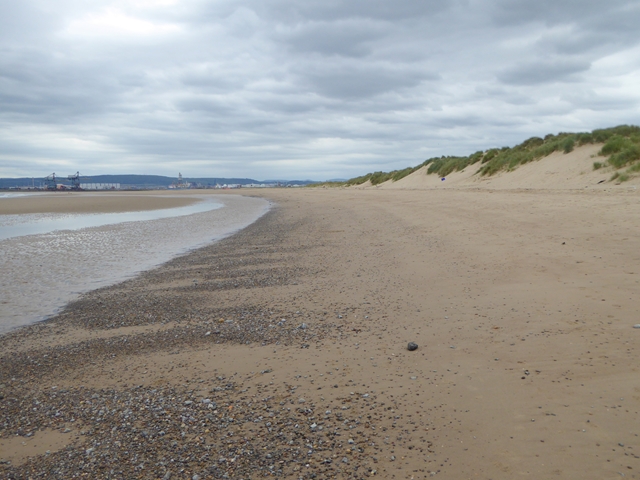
(526, 347)
(70, 254)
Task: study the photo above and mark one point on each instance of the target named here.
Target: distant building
(181, 184)
(100, 186)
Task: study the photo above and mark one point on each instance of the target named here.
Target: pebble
(637, 325)
(138, 431)
(412, 346)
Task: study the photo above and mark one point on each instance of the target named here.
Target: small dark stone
(412, 346)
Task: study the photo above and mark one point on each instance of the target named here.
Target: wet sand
(93, 202)
(281, 351)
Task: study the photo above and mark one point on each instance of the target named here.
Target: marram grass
(621, 149)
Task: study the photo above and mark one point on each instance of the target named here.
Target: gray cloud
(348, 37)
(327, 10)
(319, 89)
(544, 71)
(348, 80)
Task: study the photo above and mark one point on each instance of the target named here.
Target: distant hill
(144, 181)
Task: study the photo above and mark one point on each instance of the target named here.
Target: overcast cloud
(312, 89)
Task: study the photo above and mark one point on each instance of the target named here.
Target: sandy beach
(282, 351)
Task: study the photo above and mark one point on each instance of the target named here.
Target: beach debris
(412, 346)
(637, 325)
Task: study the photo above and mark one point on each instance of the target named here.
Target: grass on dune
(621, 146)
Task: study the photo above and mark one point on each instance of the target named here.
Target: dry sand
(281, 351)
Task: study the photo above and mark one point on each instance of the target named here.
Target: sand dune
(557, 171)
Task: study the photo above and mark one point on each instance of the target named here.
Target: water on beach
(39, 223)
(48, 260)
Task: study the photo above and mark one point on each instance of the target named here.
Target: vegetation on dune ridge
(621, 146)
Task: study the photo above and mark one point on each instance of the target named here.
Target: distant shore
(282, 350)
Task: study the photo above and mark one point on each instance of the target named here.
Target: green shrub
(380, 177)
(614, 145)
(597, 165)
(451, 165)
(489, 154)
(400, 174)
(584, 138)
(626, 156)
(532, 142)
(634, 168)
(568, 144)
(435, 164)
(623, 177)
(602, 135)
(326, 184)
(444, 166)
(359, 180)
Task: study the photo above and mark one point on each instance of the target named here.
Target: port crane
(75, 181)
(50, 182)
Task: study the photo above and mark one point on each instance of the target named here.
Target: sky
(307, 89)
